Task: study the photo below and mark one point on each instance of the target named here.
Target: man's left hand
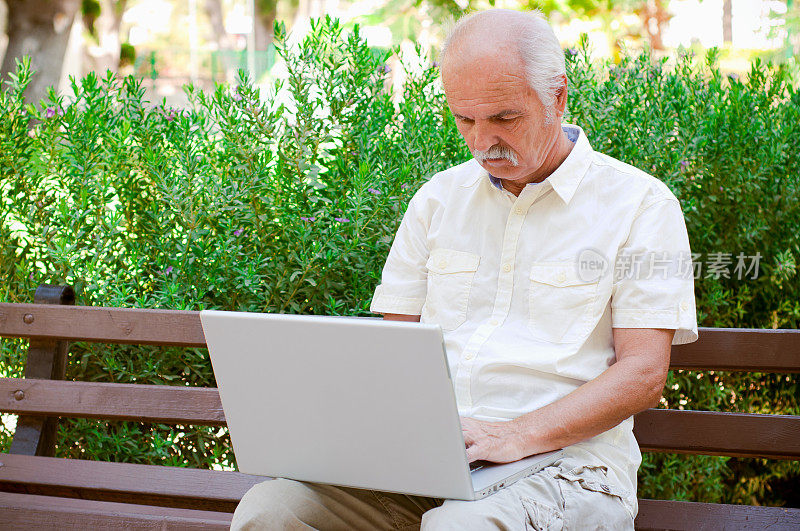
(498, 442)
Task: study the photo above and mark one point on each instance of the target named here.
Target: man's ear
(561, 97)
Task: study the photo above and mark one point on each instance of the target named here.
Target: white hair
(539, 49)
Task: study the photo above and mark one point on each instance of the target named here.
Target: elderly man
(560, 277)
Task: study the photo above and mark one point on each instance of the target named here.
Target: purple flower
(721, 189)
(570, 52)
(435, 64)
(342, 220)
(384, 69)
(312, 218)
(168, 112)
(237, 232)
(684, 164)
(31, 276)
(237, 96)
(374, 191)
(50, 112)
(404, 186)
(168, 270)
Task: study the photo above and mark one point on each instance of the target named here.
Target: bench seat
(174, 496)
(187, 488)
(659, 515)
(26, 512)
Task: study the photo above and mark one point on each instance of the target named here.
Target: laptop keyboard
(477, 465)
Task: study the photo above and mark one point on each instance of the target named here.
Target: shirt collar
(568, 175)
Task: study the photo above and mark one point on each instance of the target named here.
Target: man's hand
(498, 442)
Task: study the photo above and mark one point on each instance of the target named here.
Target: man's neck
(561, 149)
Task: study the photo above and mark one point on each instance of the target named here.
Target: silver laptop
(355, 402)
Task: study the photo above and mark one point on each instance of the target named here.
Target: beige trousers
(564, 496)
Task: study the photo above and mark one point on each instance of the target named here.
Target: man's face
(499, 115)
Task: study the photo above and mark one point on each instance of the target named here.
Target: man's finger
(468, 438)
(474, 453)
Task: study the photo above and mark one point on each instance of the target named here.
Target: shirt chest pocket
(450, 276)
(560, 303)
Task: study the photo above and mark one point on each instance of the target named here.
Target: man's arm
(633, 383)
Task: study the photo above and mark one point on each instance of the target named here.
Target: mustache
(496, 152)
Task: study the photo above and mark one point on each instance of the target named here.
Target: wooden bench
(40, 491)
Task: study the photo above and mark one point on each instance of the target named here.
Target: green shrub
(287, 201)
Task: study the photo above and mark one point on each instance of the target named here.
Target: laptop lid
(348, 401)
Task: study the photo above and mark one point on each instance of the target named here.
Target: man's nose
(482, 137)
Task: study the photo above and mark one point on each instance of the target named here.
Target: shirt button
(518, 210)
(507, 268)
(561, 277)
(494, 322)
(469, 356)
(442, 263)
(684, 305)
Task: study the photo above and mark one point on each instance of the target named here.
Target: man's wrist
(524, 436)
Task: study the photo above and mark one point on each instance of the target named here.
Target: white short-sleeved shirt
(527, 289)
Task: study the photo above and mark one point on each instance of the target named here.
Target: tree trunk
(266, 11)
(727, 24)
(654, 16)
(3, 37)
(105, 54)
(218, 33)
(222, 58)
(40, 29)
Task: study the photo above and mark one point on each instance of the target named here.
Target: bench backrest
(50, 326)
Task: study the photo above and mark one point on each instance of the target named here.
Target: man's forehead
(478, 54)
(487, 94)
(484, 68)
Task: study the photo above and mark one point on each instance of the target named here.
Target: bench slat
(658, 515)
(189, 488)
(740, 349)
(136, 402)
(715, 433)
(104, 325)
(730, 349)
(25, 512)
(661, 430)
(36, 510)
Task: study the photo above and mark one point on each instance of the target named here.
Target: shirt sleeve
(654, 275)
(404, 281)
